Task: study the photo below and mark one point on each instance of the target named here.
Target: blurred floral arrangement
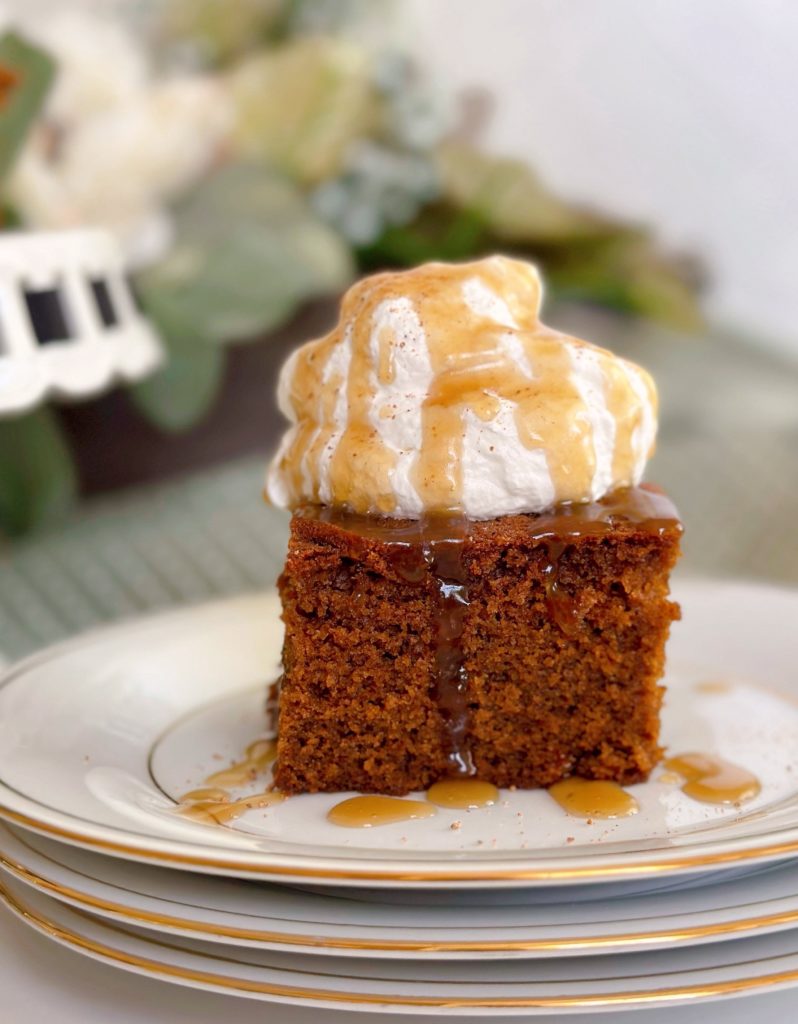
(252, 156)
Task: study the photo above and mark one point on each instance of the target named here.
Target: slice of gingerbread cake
(476, 582)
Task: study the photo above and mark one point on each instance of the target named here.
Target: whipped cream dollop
(440, 389)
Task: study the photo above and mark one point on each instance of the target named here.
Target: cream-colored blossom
(113, 153)
(300, 106)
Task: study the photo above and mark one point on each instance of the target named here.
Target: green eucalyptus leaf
(220, 30)
(509, 197)
(626, 273)
(25, 76)
(37, 478)
(249, 252)
(439, 232)
(179, 394)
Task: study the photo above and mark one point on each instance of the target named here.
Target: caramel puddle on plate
(464, 794)
(590, 798)
(713, 780)
(212, 803)
(368, 811)
(212, 793)
(257, 758)
(713, 686)
(219, 812)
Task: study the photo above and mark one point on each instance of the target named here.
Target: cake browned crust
(562, 647)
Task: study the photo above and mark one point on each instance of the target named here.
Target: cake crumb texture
(549, 696)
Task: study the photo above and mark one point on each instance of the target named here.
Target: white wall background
(682, 113)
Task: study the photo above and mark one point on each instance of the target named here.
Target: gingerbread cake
(476, 582)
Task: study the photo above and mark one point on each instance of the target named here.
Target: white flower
(101, 63)
(113, 148)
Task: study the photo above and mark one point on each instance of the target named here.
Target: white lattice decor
(69, 323)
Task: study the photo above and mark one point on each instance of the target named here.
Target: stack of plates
(511, 909)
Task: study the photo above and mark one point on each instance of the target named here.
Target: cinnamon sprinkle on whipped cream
(439, 389)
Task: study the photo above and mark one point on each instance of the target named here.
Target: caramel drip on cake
(444, 556)
(644, 506)
(419, 550)
(480, 365)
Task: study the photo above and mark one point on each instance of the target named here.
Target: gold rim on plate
(641, 869)
(241, 985)
(146, 918)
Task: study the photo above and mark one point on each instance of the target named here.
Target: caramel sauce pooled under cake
(476, 582)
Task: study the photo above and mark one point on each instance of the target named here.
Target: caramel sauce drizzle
(429, 553)
(463, 794)
(646, 507)
(220, 812)
(589, 798)
(206, 793)
(444, 558)
(712, 780)
(212, 803)
(370, 811)
(477, 365)
(257, 757)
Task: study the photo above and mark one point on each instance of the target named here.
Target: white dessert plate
(259, 915)
(484, 988)
(100, 737)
